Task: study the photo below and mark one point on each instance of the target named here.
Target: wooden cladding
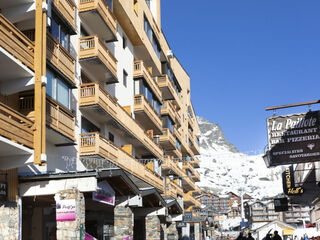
(91, 47)
(16, 126)
(16, 43)
(58, 117)
(97, 144)
(141, 71)
(68, 9)
(103, 9)
(60, 58)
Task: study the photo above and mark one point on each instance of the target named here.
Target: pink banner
(65, 210)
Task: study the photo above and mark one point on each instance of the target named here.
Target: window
(58, 89)
(125, 76)
(152, 37)
(148, 3)
(87, 126)
(124, 42)
(110, 5)
(59, 32)
(111, 137)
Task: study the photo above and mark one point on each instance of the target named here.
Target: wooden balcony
(95, 144)
(16, 43)
(67, 9)
(169, 166)
(58, 118)
(141, 71)
(15, 126)
(195, 162)
(188, 184)
(170, 189)
(168, 109)
(176, 153)
(187, 165)
(197, 191)
(167, 140)
(189, 200)
(146, 115)
(97, 102)
(59, 57)
(168, 90)
(99, 17)
(178, 134)
(195, 176)
(193, 144)
(177, 118)
(97, 60)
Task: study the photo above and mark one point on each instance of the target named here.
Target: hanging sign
(294, 138)
(104, 194)
(65, 210)
(288, 183)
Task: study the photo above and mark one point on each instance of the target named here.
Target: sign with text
(104, 194)
(66, 210)
(294, 138)
(288, 183)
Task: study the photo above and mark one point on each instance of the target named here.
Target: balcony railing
(190, 200)
(195, 176)
(68, 9)
(15, 126)
(88, 10)
(168, 109)
(171, 190)
(167, 140)
(168, 90)
(140, 70)
(96, 144)
(178, 134)
(195, 162)
(142, 105)
(60, 58)
(172, 166)
(93, 94)
(58, 117)
(188, 184)
(16, 43)
(92, 47)
(192, 143)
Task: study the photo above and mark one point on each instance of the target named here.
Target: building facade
(297, 214)
(259, 213)
(96, 116)
(222, 204)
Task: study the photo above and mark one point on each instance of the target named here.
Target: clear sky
(243, 56)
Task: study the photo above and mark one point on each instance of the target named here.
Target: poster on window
(104, 194)
(66, 210)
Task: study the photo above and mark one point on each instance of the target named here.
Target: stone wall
(172, 232)
(152, 227)
(123, 223)
(72, 230)
(9, 220)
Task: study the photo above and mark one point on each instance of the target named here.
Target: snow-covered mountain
(223, 168)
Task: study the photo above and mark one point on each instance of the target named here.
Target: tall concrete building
(98, 135)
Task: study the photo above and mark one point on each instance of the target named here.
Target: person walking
(240, 237)
(249, 237)
(276, 236)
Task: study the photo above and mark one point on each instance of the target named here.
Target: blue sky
(245, 55)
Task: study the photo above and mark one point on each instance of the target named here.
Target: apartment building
(259, 213)
(221, 204)
(98, 135)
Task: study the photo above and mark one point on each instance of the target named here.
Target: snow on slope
(223, 168)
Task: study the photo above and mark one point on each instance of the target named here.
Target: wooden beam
(293, 105)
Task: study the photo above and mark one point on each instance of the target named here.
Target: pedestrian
(250, 236)
(268, 237)
(276, 236)
(240, 237)
(305, 237)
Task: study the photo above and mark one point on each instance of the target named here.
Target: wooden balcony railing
(189, 182)
(167, 139)
(94, 94)
(195, 162)
(165, 82)
(141, 104)
(171, 189)
(91, 46)
(168, 109)
(60, 58)
(195, 175)
(187, 165)
(68, 9)
(178, 134)
(103, 9)
(173, 166)
(97, 144)
(191, 200)
(58, 117)
(140, 70)
(15, 126)
(16, 43)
